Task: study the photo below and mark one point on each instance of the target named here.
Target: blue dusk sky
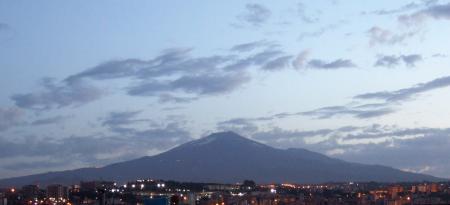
(88, 83)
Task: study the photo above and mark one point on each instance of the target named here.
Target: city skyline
(160, 192)
(86, 84)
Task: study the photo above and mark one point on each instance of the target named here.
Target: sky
(88, 83)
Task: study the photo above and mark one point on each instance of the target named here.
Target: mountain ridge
(227, 157)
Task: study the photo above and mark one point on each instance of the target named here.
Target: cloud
(304, 16)
(372, 144)
(420, 170)
(172, 76)
(407, 93)
(58, 95)
(439, 11)
(172, 62)
(380, 36)
(50, 120)
(393, 60)
(239, 125)
(387, 61)
(175, 63)
(322, 139)
(168, 98)
(122, 118)
(255, 14)
(175, 76)
(169, 62)
(251, 46)
(210, 84)
(411, 60)
(112, 70)
(10, 117)
(278, 63)
(300, 59)
(364, 111)
(406, 8)
(26, 153)
(4, 27)
(440, 55)
(336, 64)
(192, 84)
(129, 126)
(425, 145)
(278, 134)
(320, 31)
(174, 108)
(262, 57)
(6, 32)
(360, 112)
(346, 138)
(432, 11)
(125, 122)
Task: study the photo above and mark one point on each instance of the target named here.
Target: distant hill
(228, 158)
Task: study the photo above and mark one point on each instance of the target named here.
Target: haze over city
(87, 84)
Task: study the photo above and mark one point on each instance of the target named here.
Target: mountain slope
(228, 158)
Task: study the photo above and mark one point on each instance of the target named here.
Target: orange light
(13, 190)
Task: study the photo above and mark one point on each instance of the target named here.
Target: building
(395, 190)
(221, 187)
(434, 188)
(3, 200)
(95, 185)
(413, 189)
(422, 188)
(57, 192)
(30, 192)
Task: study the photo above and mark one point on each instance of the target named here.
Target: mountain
(228, 158)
